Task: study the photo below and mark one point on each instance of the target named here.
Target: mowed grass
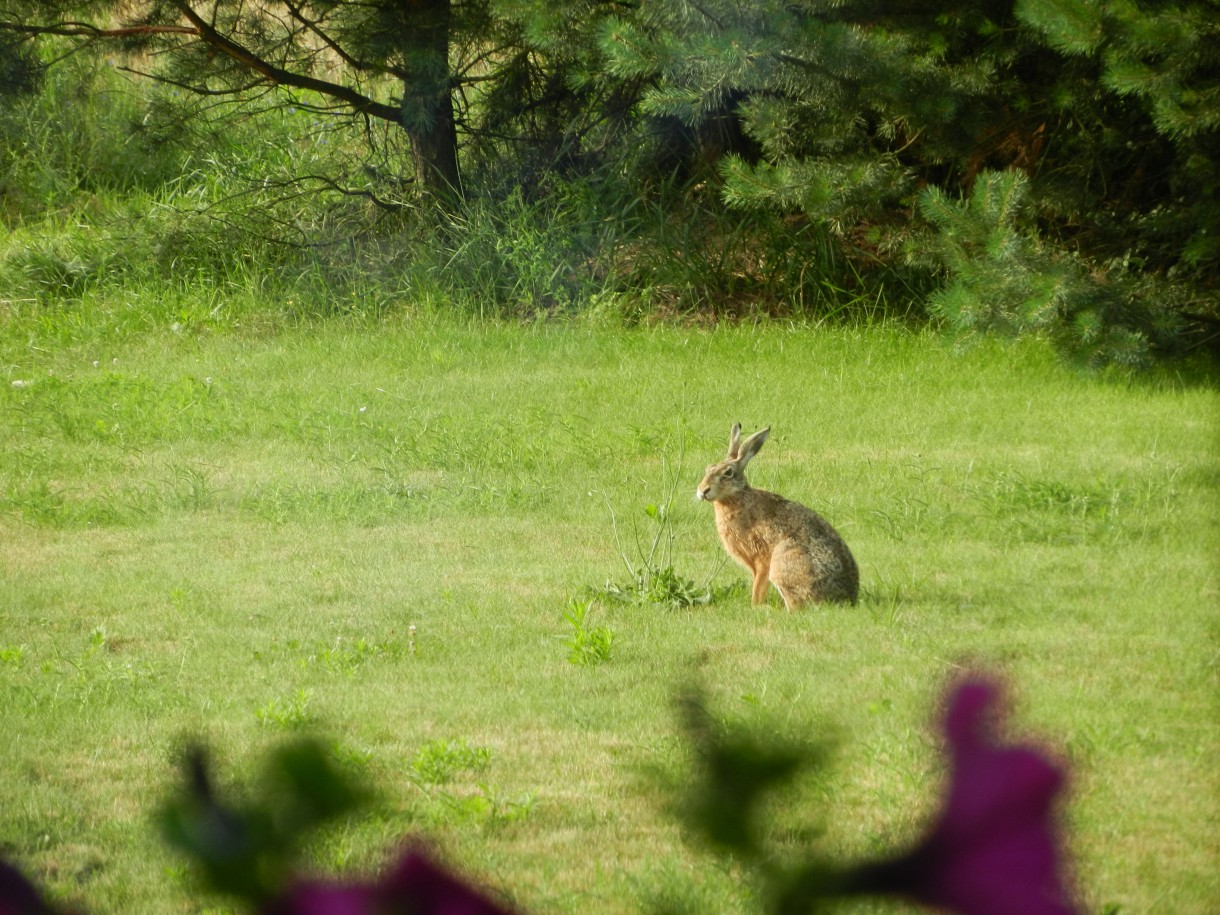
(372, 534)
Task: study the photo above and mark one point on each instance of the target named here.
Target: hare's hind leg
(791, 576)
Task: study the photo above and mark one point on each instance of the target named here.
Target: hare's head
(728, 478)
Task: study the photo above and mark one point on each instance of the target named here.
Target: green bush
(1001, 278)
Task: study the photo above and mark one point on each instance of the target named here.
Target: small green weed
(288, 714)
(486, 807)
(587, 644)
(94, 675)
(355, 759)
(341, 656)
(652, 578)
(665, 586)
(348, 657)
(190, 487)
(438, 761)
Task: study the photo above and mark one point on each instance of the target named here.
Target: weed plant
(587, 644)
(437, 761)
(289, 714)
(651, 576)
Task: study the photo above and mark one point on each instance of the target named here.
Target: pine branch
(207, 33)
(314, 27)
(195, 88)
(88, 30)
(359, 102)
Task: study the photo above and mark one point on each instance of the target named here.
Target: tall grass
(142, 194)
(374, 533)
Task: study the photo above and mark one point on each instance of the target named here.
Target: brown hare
(780, 542)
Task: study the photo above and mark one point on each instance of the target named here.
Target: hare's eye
(728, 472)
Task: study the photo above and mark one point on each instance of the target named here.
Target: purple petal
(17, 894)
(419, 887)
(995, 849)
(314, 898)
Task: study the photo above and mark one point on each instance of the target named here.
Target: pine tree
(442, 71)
(1163, 61)
(1002, 278)
(1107, 111)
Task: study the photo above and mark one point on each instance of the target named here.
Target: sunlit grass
(373, 533)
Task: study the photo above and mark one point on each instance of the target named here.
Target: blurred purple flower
(415, 886)
(994, 849)
(17, 895)
(315, 898)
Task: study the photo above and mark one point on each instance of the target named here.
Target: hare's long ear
(734, 441)
(750, 446)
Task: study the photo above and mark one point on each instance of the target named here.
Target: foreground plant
(588, 645)
(994, 848)
(652, 578)
(414, 886)
(18, 896)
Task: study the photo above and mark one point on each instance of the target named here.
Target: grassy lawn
(372, 534)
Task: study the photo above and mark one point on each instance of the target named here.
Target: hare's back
(803, 523)
(778, 519)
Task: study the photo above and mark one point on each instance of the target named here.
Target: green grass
(373, 533)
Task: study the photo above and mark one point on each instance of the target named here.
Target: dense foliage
(1038, 166)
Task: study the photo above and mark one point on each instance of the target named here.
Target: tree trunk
(427, 102)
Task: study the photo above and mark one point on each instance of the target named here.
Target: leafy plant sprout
(588, 645)
(438, 761)
(652, 577)
(289, 714)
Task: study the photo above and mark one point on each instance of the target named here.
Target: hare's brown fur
(781, 542)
